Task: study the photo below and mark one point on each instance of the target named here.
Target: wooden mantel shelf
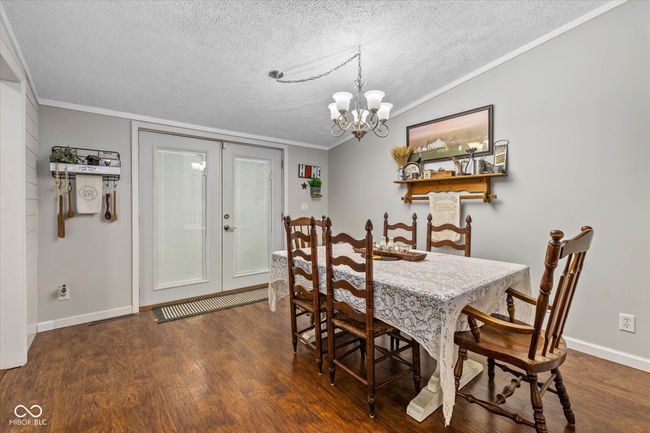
(477, 183)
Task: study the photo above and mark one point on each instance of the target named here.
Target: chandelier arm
(336, 130)
(316, 77)
(372, 120)
(382, 130)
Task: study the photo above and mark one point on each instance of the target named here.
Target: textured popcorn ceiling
(207, 62)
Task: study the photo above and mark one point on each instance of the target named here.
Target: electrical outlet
(304, 207)
(63, 292)
(626, 322)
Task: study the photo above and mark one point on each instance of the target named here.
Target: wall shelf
(479, 184)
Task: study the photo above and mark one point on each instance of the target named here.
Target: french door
(179, 207)
(210, 216)
(252, 210)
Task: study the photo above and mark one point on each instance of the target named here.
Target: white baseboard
(613, 355)
(48, 325)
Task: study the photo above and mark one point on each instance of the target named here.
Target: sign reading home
(308, 171)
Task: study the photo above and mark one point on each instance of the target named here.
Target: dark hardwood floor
(234, 371)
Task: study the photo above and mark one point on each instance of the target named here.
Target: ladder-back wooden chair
(304, 300)
(413, 228)
(363, 325)
(465, 232)
(530, 350)
(302, 225)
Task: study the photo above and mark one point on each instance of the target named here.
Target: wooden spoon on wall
(70, 211)
(114, 214)
(107, 214)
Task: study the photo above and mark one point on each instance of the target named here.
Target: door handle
(229, 228)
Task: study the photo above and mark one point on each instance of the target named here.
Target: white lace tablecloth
(422, 299)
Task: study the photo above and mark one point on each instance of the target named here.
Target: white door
(252, 213)
(180, 199)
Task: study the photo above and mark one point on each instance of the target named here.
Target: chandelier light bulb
(373, 98)
(342, 100)
(384, 111)
(334, 112)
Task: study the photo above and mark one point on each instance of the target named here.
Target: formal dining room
(324, 216)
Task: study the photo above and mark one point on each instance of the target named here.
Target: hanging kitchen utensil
(107, 214)
(69, 186)
(60, 219)
(114, 214)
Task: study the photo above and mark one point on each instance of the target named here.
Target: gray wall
(94, 259)
(576, 110)
(315, 206)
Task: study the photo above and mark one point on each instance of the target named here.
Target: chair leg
(458, 369)
(490, 369)
(415, 355)
(370, 374)
(362, 349)
(294, 327)
(319, 342)
(331, 338)
(564, 398)
(536, 401)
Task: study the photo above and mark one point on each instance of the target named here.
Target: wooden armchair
(304, 300)
(302, 225)
(413, 228)
(530, 350)
(363, 325)
(466, 231)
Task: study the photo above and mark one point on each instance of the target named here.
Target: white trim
(136, 126)
(135, 219)
(511, 55)
(19, 52)
(613, 355)
(63, 322)
(14, 335)
(231, 135)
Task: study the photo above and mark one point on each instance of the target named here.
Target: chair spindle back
(302, 225)
(466, 231)
(293, 251)
(573, 251)
(413, 228)
(367, 293)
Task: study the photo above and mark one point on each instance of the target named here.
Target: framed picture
(442, 139)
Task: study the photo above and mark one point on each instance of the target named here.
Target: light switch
(304, 207)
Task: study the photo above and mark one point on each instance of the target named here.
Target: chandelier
(347, 111)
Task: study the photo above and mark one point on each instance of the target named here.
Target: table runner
(423, 299)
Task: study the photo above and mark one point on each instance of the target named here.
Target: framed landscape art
(444, 138)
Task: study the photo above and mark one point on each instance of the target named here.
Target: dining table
(423, 299)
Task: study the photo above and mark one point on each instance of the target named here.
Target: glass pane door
(180, 202)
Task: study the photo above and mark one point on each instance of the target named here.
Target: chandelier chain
(316, 77)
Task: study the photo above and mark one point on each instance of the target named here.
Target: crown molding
(19, 52)
(156, 120)
(503, 59)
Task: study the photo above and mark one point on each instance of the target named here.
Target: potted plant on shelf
(401, 155)
(314, 187)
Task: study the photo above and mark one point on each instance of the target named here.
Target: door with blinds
(252, 213)
(180, 209)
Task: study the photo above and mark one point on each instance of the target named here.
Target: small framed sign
(307, 171)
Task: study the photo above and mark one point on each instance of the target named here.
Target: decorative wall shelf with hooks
(88, 161)
(479, 184)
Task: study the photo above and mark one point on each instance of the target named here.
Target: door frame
(139, 126)
(14, 332)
